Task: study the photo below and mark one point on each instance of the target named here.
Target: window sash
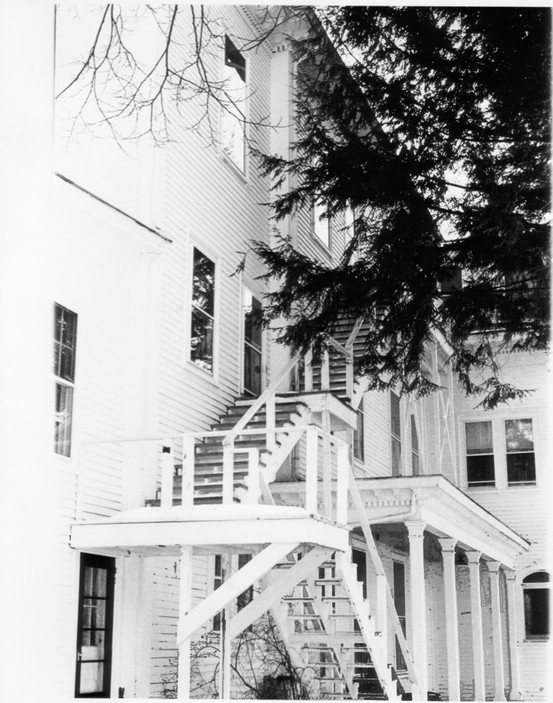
(202, 321)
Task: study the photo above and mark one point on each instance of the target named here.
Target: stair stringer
(373, 641)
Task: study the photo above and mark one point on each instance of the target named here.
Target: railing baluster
(312, 437)
(167, 471)
(254, 484)
(228, 473)
(188, 471)
(270, 414)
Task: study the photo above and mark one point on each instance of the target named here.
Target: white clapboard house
(203, 480)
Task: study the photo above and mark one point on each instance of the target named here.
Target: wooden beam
(236, 584)
(277, 589)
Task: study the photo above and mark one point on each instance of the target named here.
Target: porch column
(497, 632)
(451, 619)
(476, 621)
(418, 607)
(185, 605)
(512, 632)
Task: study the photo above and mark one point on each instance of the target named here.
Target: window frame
(498, 420)
(225, 115)
(64, 383)
(414, 451)
(529, 452)
(395, 470)
(211, 375)
(533, 586)
(481, 484)
(257, 349)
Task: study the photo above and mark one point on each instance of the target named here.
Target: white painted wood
(451, 618)
(325, 370)
(228, 472)
(513, 637)
(271, 422)
(254, 476)
(185, 606)
(311, 470)
(167, 473)
(494, 570)
(477, 629)
(188, 471)
(342, 484)
(308, 371)
(418, 606)
(327, 465)
(251, 572)
(277, 588)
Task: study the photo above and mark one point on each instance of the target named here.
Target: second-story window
(415, 461)
(519, 440)
(203, 311)
(395, 429)
(65, 346)
(359, 435)
(480, 462)
(233, 136)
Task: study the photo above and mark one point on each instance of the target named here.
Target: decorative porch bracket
(278, 588)
(236, 584)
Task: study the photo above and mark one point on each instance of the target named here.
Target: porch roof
(434, 500)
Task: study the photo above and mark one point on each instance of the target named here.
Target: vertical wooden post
(418, 606)
(382, 609)
(342, 484)
(476, 622)
(311, 441)
(185, 605)
(327, 464)
(254, 485)
(225, 676)
(188, 471)
(349, 375)
(325, 371)
(451, 619)
(167, 471)
(270, 411)
(228, 473)
(497, 631)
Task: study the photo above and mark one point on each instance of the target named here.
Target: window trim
(499, 440)
(213, 375)
(544, 585)
(241, 172)
(481, 484)
(63, 382)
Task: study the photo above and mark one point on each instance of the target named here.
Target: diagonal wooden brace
(277, 589)
(236, 584)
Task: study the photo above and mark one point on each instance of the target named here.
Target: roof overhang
(446, 511)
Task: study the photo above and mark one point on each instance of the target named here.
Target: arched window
(535, 589)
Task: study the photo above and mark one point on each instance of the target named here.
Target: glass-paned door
(252, 344)
(95, 627)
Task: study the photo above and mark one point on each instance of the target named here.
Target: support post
(185, 605)
(228, 473)
(476, 621)
(382, 609)
(308, 371)
(325, 370)
(167, 471)
(497, 631)
(270, 414)
(342, 485)
(513, 637)
(418, 606)
(326, 464)
(451, 619)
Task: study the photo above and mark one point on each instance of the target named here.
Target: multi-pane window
(203, 311)
(252, 344)
(415, 460)
(395, 429)
(95, 627)
(321, 224)
(65, 346)
(480, 460)
(233, 113)
(535, 590)
(519, 441)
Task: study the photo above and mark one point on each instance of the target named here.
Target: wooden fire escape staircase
(314, 593)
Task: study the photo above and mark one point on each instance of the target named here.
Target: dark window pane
(201, 340)
(359, 437)
(396, 457)
(204, 283)
(480, 470)
(394, 415)
(521, 468)
(252, 370)
(65, 342)
(536, 612)
(414, 436)
(252, 320)
(63, 419)
(537, 577)
(234, 59)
